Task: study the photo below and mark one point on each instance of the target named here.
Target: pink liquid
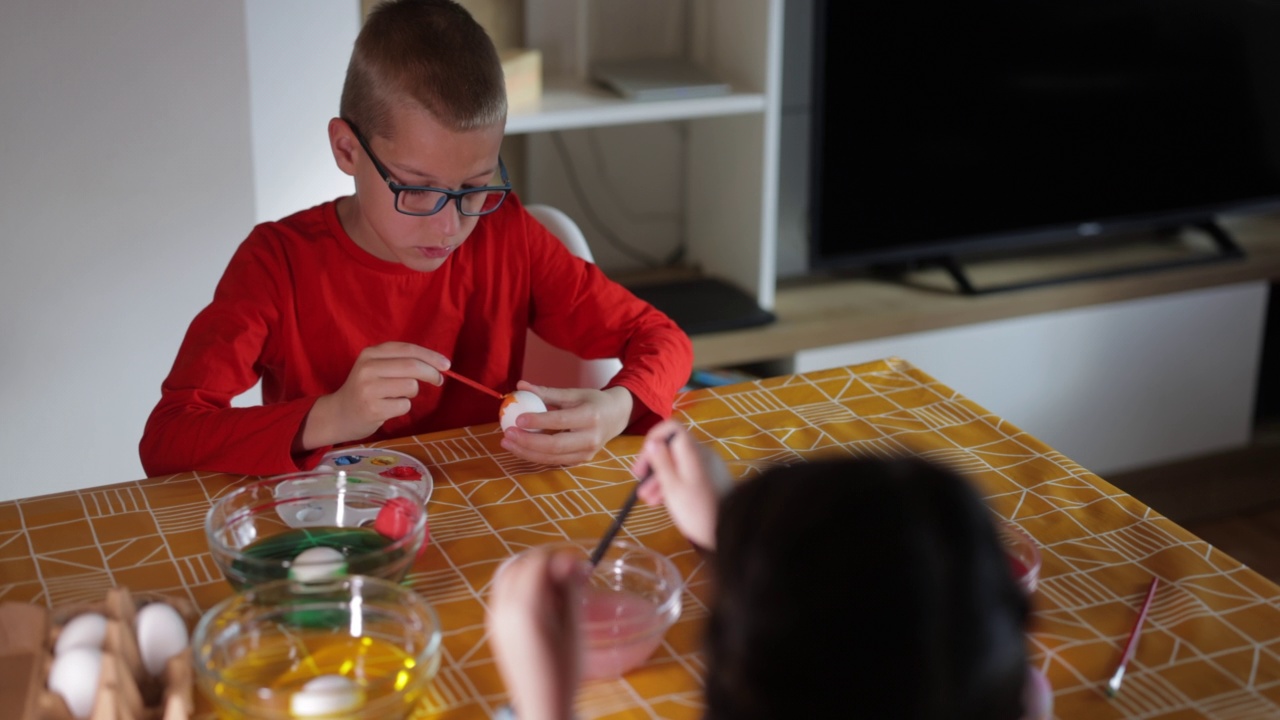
(621, 631)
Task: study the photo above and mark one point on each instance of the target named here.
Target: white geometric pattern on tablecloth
(819, 414)
(754, 402)
(442, 586)
(454, 449)
(100, 503)
(460, 523)
(180, 518)
(199, 569)
(772, 432)
(77, 589)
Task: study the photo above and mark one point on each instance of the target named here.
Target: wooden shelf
(822, 312)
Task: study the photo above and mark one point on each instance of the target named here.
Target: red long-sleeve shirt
(300, 300)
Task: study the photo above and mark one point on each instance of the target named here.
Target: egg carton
(125, 690)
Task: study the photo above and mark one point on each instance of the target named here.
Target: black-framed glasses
(422, 200)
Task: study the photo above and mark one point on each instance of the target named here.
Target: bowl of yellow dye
(358, 647)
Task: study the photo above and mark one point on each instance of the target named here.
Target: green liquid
(366, 552)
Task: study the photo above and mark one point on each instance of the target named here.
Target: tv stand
(1224, 248)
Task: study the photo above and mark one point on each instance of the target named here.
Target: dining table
(1209, 646)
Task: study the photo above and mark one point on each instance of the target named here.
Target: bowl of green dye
(314, 527)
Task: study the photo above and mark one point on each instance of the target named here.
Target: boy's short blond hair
(428, 52)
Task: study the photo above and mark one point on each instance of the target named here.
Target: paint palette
(388, 464)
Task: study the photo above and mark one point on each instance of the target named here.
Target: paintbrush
(472, 383)
(1113, 685)
(623, 512)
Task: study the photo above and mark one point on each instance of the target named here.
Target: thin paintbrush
(618, 519)
(1113, 685)
(623, 512)
(472, 383)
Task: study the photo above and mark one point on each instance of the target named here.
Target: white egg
(74, 676)
(84, 630)
(516, 404)
(326, 695)
(162, 633)
(318, 563)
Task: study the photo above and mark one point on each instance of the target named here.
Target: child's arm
(690, 481)
(581, 423)
(380, 386)
(575, 306)
(533, 623)
(194, 425)
(251, 331)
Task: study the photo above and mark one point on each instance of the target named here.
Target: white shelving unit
(569, 104)
(729, 171)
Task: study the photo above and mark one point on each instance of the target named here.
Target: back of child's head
(863, 588)
(429, 54)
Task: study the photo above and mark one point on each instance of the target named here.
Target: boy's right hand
(380, 386)
(687, 477)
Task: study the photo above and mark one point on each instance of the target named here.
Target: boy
(350, 311)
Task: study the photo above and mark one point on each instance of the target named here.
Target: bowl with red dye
(629, 601)
(1023, 553)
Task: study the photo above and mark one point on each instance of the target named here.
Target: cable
(597, 156)
(576, 186)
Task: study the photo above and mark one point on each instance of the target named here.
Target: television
(944, 128)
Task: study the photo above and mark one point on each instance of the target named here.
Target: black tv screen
(948, 126)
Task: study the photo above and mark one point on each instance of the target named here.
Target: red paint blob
(395, 520)
(402, 472)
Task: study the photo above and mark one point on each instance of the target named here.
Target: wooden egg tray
(126, 691)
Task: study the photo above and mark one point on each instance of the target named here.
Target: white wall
(298, 51)
(141, 110)
(1113, 387)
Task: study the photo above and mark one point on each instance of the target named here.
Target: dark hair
(428, 52)
(863, 588)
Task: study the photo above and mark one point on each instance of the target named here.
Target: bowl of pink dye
(629, 601)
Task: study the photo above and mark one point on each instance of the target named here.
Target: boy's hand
(687, 477)
(579, 424)
(534, 624)
(380, 386)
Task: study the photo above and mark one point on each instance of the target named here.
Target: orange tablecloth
(1211, 647)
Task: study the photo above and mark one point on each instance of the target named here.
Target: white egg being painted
(74, 675)
(516, 404)
(326, 695)
(87, 630)
(162, 633)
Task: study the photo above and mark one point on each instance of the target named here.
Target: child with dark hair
(349, 312)
(843, 588)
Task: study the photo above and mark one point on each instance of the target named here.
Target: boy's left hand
(580, 422)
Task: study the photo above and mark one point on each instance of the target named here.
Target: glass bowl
(315, 526)
(630, 600)
(358, 647)
(1024, 555)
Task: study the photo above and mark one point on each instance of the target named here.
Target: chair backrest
(544, 363)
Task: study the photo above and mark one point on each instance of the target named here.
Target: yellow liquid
(282, 664)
